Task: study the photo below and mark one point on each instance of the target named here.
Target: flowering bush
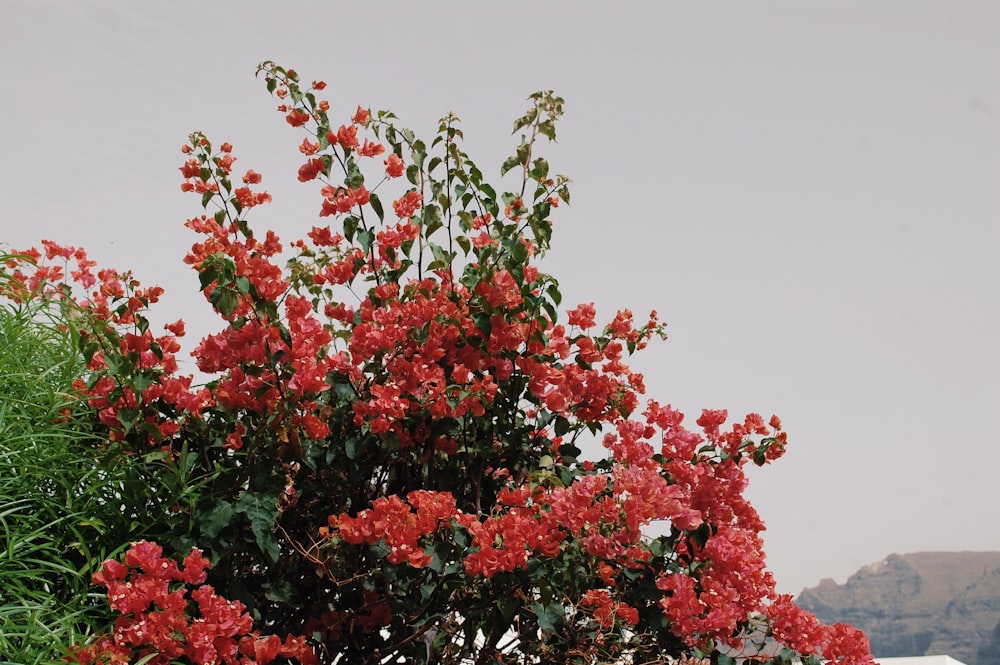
(385, 456)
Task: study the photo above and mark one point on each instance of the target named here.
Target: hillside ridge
(922, 603)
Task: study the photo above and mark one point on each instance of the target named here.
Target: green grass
(53, 504)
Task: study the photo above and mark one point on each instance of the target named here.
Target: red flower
(195, 565)
(407, 205)
(322, 236)
(582, 316)
(297, 118)
(191, 169)
(249, 199)
(369, 149)
(145, 555)
(361, 116)
(341, 200)
(311, 169)
(234, 440)
(111, 571)
(394, 166)
(308, 147)
(347, 137)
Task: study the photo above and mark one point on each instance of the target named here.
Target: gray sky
(808, 192)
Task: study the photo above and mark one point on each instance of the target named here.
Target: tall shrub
(385, 462)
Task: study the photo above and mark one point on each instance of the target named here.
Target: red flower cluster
(398, 525)
(110, 307)
(168, 612)
(801, 631)
(606, 610)
(407, 205)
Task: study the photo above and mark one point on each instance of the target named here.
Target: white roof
(920, 660)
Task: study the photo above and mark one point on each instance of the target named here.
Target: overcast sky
(808, 192)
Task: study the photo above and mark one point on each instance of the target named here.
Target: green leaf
(547, 129)
(207, 275)
(354, 178)
(127, 417)
(351, 448)
(550, 617)
(365, 239)
(376, 204)
(281, 591)
(350, 227)
(508, 164)
(542, 210)
(554, 294)
(526, 119)
(518, 251)
(225, 300)
(564, 194)
(432, 220)
(475, 175)
(216, 519)
(262, 512)
(568, 451)
(550, 310)
(484, 322)
(540, 169)
(142, 381)
(445, 258)
(461, 536)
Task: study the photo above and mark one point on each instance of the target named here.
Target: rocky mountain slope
(920, 604)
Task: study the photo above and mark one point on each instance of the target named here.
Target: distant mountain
(920, 604)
